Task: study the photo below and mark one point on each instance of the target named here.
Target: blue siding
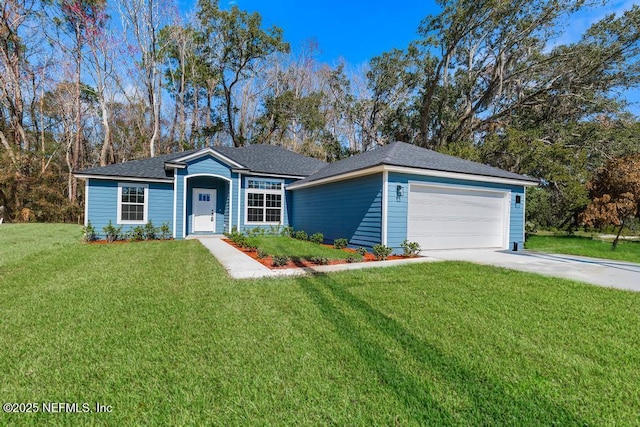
(347, 209)
(103, 204)
(203, 172)
(398, 206)
(222, 201)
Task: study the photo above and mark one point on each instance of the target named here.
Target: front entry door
(204, 210)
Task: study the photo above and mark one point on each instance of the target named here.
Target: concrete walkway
(601, 272)
(241, 266)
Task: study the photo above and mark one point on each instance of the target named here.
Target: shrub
(261, 253)
(381, 252)
(301, 235)
(317, 238)
(319, 260)
(274, 230)
(411, 249)
(280, 260)
(150, 231)
(351, 259)
(112, 233)
(165, 231)
(256, 231)
(287, 231)
(340, 243)
(89, 233)
(362, 251)
(137, 233)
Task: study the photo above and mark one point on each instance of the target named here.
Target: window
(132, 203)
(263, 201)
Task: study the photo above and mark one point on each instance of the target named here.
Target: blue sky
(357, 30)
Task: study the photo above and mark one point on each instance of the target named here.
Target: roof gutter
(415, 171)
(122, 178)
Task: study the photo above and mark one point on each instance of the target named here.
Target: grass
(585, 246)
(159, 332)
(299, 249)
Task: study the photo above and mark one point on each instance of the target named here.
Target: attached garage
(401, 192)
(451, 217)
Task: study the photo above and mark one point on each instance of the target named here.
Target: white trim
(86, 203)
(268, 175)
(215, 208)
(506, 195)
(342, 177)
(184, 196)
(204, 152)
(123, 178)
(248, 190)
(145, 215)
(175, 206)
(385, 202)
(414, 171)
(171, 165)
(230, 198)
(239, 199)
(461, 176)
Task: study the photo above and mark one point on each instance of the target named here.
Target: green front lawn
(298, 249)
(160, 333)
(585, 246)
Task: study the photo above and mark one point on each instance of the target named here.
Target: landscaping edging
(301, 263)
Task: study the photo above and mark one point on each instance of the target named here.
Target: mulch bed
(301, 263)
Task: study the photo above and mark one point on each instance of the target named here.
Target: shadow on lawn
(490, 402)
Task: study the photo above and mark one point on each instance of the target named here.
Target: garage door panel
(448, 218)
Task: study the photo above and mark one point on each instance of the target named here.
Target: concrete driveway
(601, 272)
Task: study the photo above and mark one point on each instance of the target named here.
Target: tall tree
(80, 20)
(143, 20)
(235, 46)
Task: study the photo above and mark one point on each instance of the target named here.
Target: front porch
(207, 210)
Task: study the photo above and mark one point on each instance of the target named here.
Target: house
(386, 195)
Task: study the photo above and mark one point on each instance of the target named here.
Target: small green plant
(137, 233)
(317, 238)
(287, 231)
(411, 249)
(340, 243)
(301, 235)
(351, 259)
(89, 233)
(165, 231)
(150, 232)
(274, 230)
(279, 260)
(319, 260)
(381, 252)
(261, 253)
(362, 251)
(111, 232)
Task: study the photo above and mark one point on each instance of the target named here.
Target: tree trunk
(615, 241)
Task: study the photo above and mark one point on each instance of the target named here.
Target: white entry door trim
(203, 204)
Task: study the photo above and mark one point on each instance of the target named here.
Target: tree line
(94, 82)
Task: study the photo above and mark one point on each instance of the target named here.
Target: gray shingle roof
(263, 158)
(255, 158)
(146, 168)
(410, 156)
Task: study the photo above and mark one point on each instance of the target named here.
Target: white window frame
(146, 202)
(248, 190)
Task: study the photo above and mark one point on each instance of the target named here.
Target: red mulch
(268, 261)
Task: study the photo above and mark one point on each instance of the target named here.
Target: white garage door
(455, 218)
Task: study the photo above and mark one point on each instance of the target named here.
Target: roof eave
(414, 171)
(121, 178)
